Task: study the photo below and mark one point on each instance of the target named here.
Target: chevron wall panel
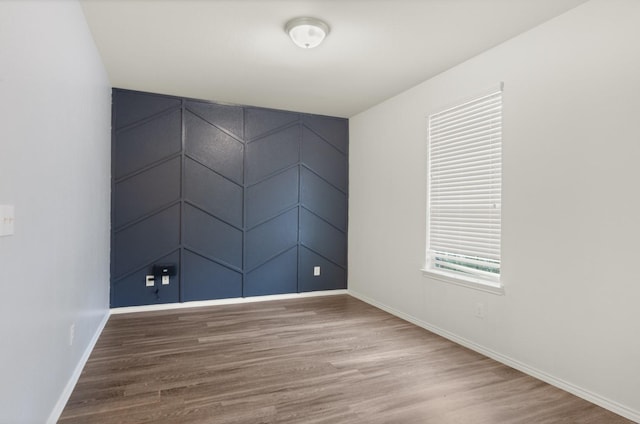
(146, 192)
(324, 160)
(323, 199)
(245, 201)
(213, 193)
(331, 130)
(145, 219)
(323, 210)
(332, 276)
(145, 143)
(226, 118)
(134, 107)
(213, 147)
(207, 279)
(272, 196)
(272, 153)
(275, 276)
(259, 122)
(213, 233)
(128, 291)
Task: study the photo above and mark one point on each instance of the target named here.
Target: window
(464, 190)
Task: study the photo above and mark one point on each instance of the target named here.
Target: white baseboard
(513, 363)
(218, 302)
(71, 384)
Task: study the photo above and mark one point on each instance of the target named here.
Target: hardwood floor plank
(318, 360)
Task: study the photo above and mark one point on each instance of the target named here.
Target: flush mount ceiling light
(307, 32)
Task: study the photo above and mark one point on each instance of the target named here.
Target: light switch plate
(7, 217)
(316, 271)
(150, 281)
(165, 280)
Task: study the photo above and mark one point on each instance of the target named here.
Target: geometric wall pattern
(244, 200)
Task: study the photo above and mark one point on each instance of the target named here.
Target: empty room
(292, 211)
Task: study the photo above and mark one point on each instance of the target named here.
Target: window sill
(459, 280)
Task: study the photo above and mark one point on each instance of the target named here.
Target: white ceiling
(236, 51)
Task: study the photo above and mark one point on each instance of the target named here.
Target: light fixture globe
(307, 32)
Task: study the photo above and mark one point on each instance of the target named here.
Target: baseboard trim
(71, 384)
(218, 302)
(513, 363)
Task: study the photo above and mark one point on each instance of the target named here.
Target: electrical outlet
(165, 280)
(150, 281)
(72, 333)
(316, 271)
(480, 310)
(7, 216)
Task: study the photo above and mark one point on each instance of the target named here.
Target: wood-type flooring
(331, 360)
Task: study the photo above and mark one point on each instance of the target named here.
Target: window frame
(491, 285)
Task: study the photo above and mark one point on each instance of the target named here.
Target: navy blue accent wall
(245, 201)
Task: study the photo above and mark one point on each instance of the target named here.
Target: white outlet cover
(7, 218)
(316, 271)
(150, 281)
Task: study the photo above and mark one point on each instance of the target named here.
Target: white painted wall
(571, 211)
(54, 167)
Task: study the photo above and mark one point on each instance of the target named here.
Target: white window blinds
(464, 188)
